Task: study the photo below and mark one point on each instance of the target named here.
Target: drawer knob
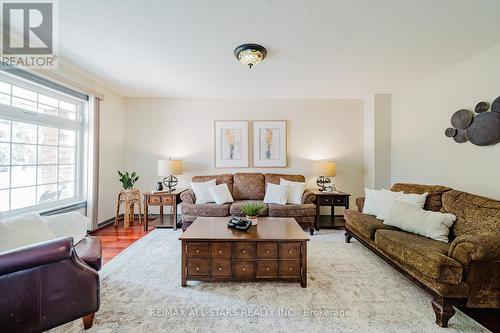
(243, 251)
(267, 251)
(267, 268)
(289, 268)
(290, 251)
(244, 269)
(197, 268)
(220, 251)
(197, 251)
(220, 268)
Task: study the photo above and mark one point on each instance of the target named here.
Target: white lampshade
(169, 167)
(328, 168)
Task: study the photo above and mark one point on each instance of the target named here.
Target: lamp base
(322, 182)
(169, 182)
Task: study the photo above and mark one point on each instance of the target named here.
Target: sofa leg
(88, 321)
(347, 237)
(443, 310)
(311, 230)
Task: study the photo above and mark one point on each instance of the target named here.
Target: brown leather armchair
(47, 284)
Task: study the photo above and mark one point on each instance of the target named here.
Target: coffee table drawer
(243, 268)
(244, 250)
(197, 267)
(197, 249)
(220, 250)
(267, 250)
(267, 269)
(289, 250)
(221, 268)
(289, 268)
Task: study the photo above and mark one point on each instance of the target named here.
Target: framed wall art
(231, 144)
(269, 143)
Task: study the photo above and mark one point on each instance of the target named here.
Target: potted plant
(252, 210)
(128, 180)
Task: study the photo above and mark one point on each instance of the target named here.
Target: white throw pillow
(416, 220)
(201, 191)
(415, 200)
(22, 230)
(371, 198)
(72, 224)
(220, 194)
(384, 202)
(276, 194)
(1, 216)
(295, 191)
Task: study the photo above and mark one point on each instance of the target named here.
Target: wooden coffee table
(274, 249)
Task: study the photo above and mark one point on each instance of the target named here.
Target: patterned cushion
(210, 209)
(219, 179)
(364, 224)
(433, 201)
(291, 210)
(274, 178)
(248, 186)
(235, 209)
(428, 256)
(475, 214)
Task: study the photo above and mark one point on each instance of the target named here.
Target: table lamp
(168, 169)
(328, 169)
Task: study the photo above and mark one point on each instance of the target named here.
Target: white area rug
(349, 290)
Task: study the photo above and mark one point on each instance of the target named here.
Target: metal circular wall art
(483, 129)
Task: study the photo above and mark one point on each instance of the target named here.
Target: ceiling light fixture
(250, 54)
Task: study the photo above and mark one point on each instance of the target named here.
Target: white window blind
(42, 147)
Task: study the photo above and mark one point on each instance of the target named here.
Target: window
(42, 151)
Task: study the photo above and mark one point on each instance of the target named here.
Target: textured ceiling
(317, 49)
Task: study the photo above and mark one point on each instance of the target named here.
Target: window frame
(79, 125)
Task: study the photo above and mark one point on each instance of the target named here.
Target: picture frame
(270, 143)
(231, 144)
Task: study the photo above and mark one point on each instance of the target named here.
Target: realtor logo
(28, 32)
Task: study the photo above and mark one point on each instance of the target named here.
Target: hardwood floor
(115, 240)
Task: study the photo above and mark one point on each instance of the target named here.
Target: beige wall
(159, 128)
(420, 151)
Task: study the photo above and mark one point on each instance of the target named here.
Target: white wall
(159, 128)
(111, 150)
(420, 151)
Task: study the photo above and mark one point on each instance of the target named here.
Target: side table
(161, 199)
(331, 199)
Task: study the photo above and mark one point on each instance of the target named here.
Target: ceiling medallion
(250, 54)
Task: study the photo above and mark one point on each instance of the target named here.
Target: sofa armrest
(188, 197)
(308, 197)
(360, 203)
(36, 255)
(483, 247)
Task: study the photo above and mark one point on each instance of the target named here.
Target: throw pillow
(422, 222)
(295, 191)
(201, 191)
(276, 194)
(384, 202)
(415, 200)
(371, 198)
(72, 224)
(22, 230)
(387, 198)
(220, 194)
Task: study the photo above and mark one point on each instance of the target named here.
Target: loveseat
(465, 271)
(249, 187)
(50, 283)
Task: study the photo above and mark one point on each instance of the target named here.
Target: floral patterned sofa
(249, 187)
(465, 271)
